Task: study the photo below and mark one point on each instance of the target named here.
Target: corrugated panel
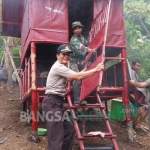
(11, 17)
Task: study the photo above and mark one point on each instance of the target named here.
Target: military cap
(64, 48)
(77, 24)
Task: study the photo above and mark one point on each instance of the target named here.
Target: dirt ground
(17, 133)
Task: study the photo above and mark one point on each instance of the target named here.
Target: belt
(55, 96)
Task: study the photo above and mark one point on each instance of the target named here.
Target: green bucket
(42, 131)
(118, 111)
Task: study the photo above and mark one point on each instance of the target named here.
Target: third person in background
(142, 87)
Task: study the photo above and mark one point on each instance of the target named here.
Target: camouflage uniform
(79, 49)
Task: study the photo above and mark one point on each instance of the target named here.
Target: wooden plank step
(90, 136)
(90, 117)
(93, 116)
(88, 106)
(114, 58)
(111, 88)
(98, 148)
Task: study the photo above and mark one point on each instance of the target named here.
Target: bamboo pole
(2, 59)
(14, 67)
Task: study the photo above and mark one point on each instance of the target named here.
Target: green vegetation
(1, 48)
(15, 50)
(137, 19)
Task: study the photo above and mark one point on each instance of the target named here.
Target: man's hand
(138, 84)
(132, 95)
(83, 70)
(91, 50)
(99, 67)
(131, 82)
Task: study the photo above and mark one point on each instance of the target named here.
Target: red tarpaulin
(47, 21)
(116, 28)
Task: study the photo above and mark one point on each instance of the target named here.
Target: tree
(6, 49)
(137, 14)
(8, 65)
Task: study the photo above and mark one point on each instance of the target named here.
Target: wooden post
(8, 42)
(2, 59)
(14, 67)
(34, 86)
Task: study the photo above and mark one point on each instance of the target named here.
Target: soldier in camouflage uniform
(78, 45)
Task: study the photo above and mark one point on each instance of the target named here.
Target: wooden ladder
(102, 116)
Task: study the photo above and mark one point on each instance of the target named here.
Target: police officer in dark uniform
(60, 131)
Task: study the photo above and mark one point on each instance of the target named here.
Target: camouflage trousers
(78, 66)
(76, 84)
(74, 67)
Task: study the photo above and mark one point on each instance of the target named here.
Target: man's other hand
(99, 67)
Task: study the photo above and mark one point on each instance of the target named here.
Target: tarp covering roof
(48, 21)
(11, 17)
(49, 24)
(116, 28)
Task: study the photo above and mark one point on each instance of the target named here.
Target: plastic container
(117, 110)
(42, 131)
